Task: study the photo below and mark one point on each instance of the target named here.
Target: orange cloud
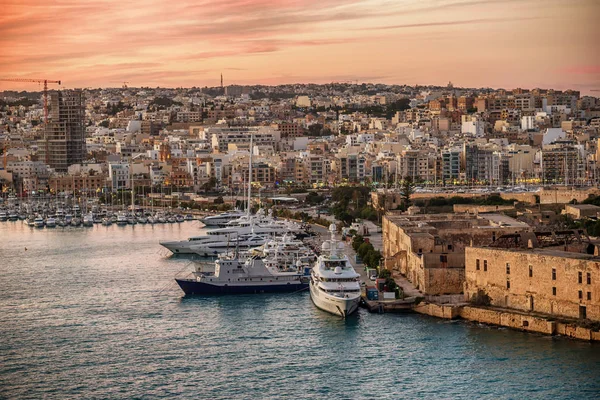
(188, 43)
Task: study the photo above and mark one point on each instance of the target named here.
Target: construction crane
(44, 81)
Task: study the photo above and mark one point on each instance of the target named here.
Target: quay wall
(510, 319)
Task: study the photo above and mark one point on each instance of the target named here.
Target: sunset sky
(496, 43)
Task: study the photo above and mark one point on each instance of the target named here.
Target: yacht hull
(178, 248)
(193, 287)
(343, 307)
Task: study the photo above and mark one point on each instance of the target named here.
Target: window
(507, 268)
(589, 295)
(580, 276)
(580, 295)
(531, 271)
(589, 278)
(477, 264)
(485, 265)
(554, 291)
(553, 274)
(508, 284)
(444, 258)
(525, 323)
(449, 247)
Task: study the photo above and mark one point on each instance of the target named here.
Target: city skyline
(498, 43)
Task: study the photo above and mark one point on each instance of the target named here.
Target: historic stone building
(555, 273)
(430, 249)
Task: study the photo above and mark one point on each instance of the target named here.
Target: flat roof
(583, 206)
(546, 251)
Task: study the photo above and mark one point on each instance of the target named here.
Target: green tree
(406, 191)
(357, 241)
(364, 249)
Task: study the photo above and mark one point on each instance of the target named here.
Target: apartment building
(64, 135)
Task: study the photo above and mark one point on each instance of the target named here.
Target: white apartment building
(118, 173)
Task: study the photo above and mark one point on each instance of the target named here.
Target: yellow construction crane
(44, 81)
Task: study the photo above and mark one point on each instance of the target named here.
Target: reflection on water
(95, 312)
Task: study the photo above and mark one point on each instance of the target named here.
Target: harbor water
(95, 313)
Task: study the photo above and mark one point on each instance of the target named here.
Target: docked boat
(223, 218)
(106, 221)
(230, 234)
(122, 219)
(284, 251)
(88, 220)
(237, 276)
(39, 222)
(334, 284)
(13, 216)
(50, 222)
(3, 216)
(243, 242)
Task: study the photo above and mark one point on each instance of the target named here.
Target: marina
(108, 288)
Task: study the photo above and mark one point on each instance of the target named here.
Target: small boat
(106, 221)
(189, 217)
(50, 222)
(39, 222)
(122, 219)
(88, 220)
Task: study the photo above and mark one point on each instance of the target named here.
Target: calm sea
(95, 313)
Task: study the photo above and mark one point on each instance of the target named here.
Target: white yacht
(88, 220)
(223, 218)
(122, 219)
(285, 249)
(39, 222)
(50, 222)
(334, 284)
(3, 216)
(230, 234)
(242, 242)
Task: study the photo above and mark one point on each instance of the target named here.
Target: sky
(185, 43)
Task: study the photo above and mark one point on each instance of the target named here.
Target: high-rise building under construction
(64, 136)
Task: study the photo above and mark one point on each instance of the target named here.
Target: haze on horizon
(493, 43)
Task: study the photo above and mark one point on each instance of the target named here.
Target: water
(95, 313)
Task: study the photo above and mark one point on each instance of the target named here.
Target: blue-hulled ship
(233, 275)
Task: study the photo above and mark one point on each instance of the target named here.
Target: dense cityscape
(305, 135)
(503, 162)
(285, 199)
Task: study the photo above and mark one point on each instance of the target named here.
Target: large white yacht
(334, 284)
(284, 249)
(241, 242)
(231, 233)
(223, 218)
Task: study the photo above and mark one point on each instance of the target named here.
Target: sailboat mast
(250, 175)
